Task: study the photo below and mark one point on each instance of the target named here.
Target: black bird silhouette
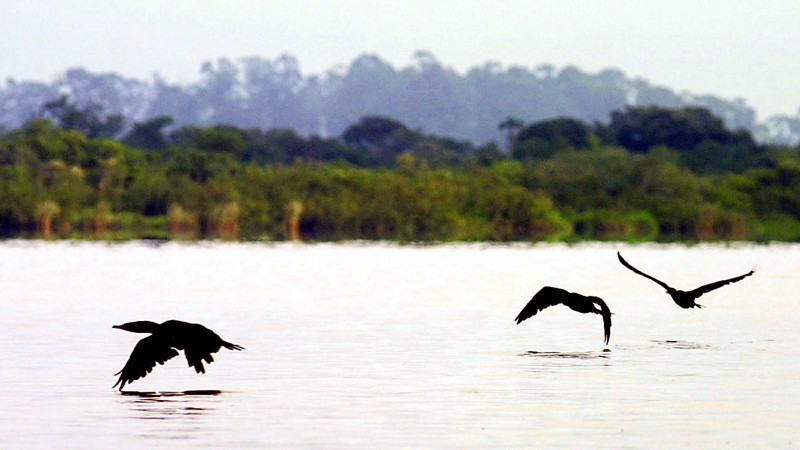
(196, 341)
(551, 296)
(686, 299)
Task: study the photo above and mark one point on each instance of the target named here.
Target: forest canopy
(649, 173)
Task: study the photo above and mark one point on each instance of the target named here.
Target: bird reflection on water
(682, 345)
(605, 354)
(158, 394)
(552, 362)
(175, 415)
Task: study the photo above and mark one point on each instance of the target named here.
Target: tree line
(272, 93)
(649, 174)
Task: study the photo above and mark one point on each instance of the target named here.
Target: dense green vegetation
(650, 174)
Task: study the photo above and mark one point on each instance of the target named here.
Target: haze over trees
(426, 95)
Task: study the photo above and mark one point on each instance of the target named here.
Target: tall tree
(89, 120)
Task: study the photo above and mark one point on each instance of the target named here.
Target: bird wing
(635, 270)
(146, 354)
(718, 284)
(546, 297)
(606, 313)
(198, 344)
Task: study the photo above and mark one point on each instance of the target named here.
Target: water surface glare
(386, 346)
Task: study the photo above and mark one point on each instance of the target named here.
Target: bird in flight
(196, 341)
(551, 296)
(686, 299)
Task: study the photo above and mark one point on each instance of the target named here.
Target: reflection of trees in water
(173, 415)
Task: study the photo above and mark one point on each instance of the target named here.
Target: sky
(731, 49)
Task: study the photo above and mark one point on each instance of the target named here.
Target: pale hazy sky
(729, 48)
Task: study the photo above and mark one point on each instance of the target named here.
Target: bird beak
(116, 326)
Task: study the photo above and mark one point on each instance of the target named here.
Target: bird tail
(230, 346)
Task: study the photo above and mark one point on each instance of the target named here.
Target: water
(383, 346)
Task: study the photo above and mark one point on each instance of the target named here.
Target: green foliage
(607, 224)
(383, 137)
(544, 139)
(149, 134)
(703, 141)
(218, 139)
(778, 227)
(639, 128)
(388, 182)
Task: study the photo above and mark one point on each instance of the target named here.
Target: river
(374, 345)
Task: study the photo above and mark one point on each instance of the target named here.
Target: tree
(217, 139)
(219, 93)
(546, 138)
(369, 86)
(45, 213)
(703, 140)
(639, 128)
(562, 130)
(382, 136)
(89, 119)
(277, 95)
(511, 125)
(149, 134)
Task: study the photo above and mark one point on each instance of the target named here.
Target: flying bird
(551, 296)
(196, 341)
(686, 299)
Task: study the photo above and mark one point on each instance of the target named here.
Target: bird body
(551, 296)
(685, 299)
(196, 341)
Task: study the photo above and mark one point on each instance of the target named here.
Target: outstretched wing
(606, 313)
(148, 352)
(202, 344)
(546, 297)
(718, 284)
(635, 270)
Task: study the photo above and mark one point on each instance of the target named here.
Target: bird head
(141, 326)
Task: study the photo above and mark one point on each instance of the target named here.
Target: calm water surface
(383, 346)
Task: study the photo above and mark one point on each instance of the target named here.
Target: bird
(686, 299)
(551, 296)
(196, 341)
